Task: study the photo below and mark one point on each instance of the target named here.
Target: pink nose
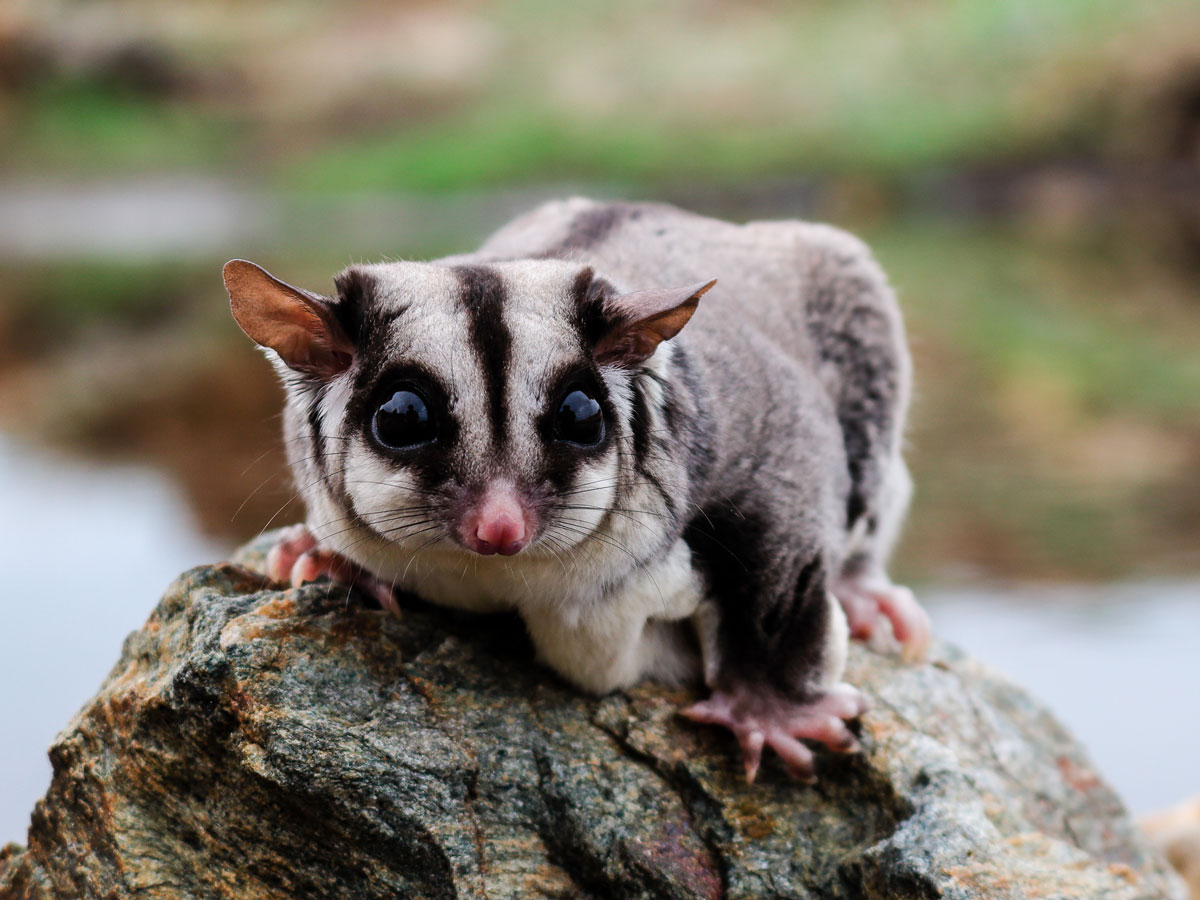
(499, 524)
(502, 534)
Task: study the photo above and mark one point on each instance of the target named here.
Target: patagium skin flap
(670, 443)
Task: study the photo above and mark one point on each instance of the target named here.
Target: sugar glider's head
(483, 407)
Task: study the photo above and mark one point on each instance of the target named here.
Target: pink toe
(698, 712)
(910, 623)
(866, 599)
(797, 757)
(293, 543)
(834, 734)
(862, 613)
(845, 702)
(279, 564)
(304, 569)
(383, 594)
(898, 605)
(752, 745)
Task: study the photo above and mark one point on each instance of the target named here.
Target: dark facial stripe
(581, 296)
(644, 442)
(686, 408)
(333, 482)
(314, 427)
(355, 295)
(366, 321)
(589, 294)
(640, 424)
(483, 295)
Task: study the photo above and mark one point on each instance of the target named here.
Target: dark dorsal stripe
(591, 228)
(483, 296)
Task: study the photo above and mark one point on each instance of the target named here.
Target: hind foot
(759, 717)
(867, 599)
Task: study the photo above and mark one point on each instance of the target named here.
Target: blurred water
(87, 550)
(1117, 664)
(194, 217)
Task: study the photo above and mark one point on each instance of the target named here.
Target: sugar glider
(670, 443)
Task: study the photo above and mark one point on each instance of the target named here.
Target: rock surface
(258, 743)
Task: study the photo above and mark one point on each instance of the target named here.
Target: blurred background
(1027, 172)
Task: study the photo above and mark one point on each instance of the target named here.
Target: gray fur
(756, 456)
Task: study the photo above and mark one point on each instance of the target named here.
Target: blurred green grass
(529, 90)
(1058, 402)
(1074, 313)
(65, 295)
(827, 88)
(519, 145)
(77, 126)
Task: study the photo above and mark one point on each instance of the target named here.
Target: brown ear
(294, 323)
(643, 320)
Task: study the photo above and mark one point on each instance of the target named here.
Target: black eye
(403, 420)
(579, 419)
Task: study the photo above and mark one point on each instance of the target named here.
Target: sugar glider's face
(482, 407)
(475, 412)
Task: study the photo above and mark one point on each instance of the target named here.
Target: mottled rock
(256, 743)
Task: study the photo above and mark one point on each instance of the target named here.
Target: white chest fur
(601, 638)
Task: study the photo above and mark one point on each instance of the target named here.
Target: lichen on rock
(256, 742)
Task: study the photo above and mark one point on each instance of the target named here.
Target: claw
(752, 745)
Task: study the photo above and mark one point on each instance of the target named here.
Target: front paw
(294, 542)
(297, 560)
(759, 717)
